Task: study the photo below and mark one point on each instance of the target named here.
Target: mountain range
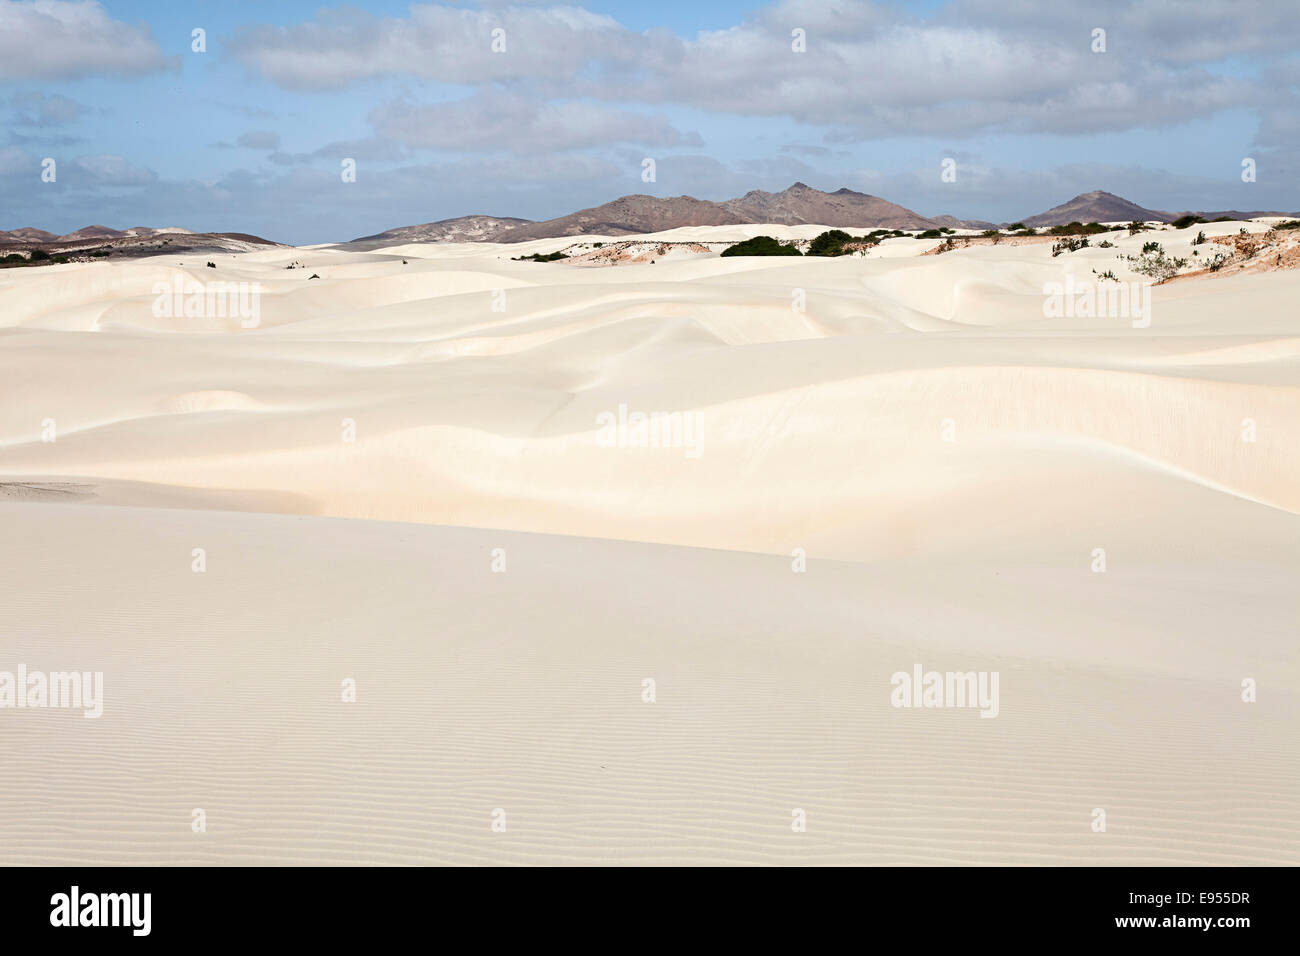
(800, 204)
(136, 241)
(87, 232)
(629, 215)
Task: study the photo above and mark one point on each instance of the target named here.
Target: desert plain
(387, 575)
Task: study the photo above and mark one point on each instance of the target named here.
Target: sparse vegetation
(1155, 263)
(1069, 245)
(538, 257)
(1182, 222)
(1200, 238)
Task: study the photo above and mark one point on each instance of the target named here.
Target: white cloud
(61, 39)
(869, 70)
(442, 43)
(495, 121)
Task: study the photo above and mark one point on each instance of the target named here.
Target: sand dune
(946, 455)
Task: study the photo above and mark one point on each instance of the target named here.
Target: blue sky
(249, 135)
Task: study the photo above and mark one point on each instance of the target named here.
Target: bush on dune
(830, 243)
(760, 246)
(1077, 228)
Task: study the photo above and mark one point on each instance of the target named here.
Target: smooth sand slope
(947, 458)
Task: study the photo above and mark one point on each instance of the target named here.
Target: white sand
(819, 430)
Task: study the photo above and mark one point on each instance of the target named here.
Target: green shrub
(1182, 222)
(829, 243)
(760, 246)
(1077, 228)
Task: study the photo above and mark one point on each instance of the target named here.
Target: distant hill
(93, 232)
(461, 229)
(803, 205)
(627, 215)
(1097, 206)
(27, 234)
(1100, 206)
(952, 222)
(136, 241)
